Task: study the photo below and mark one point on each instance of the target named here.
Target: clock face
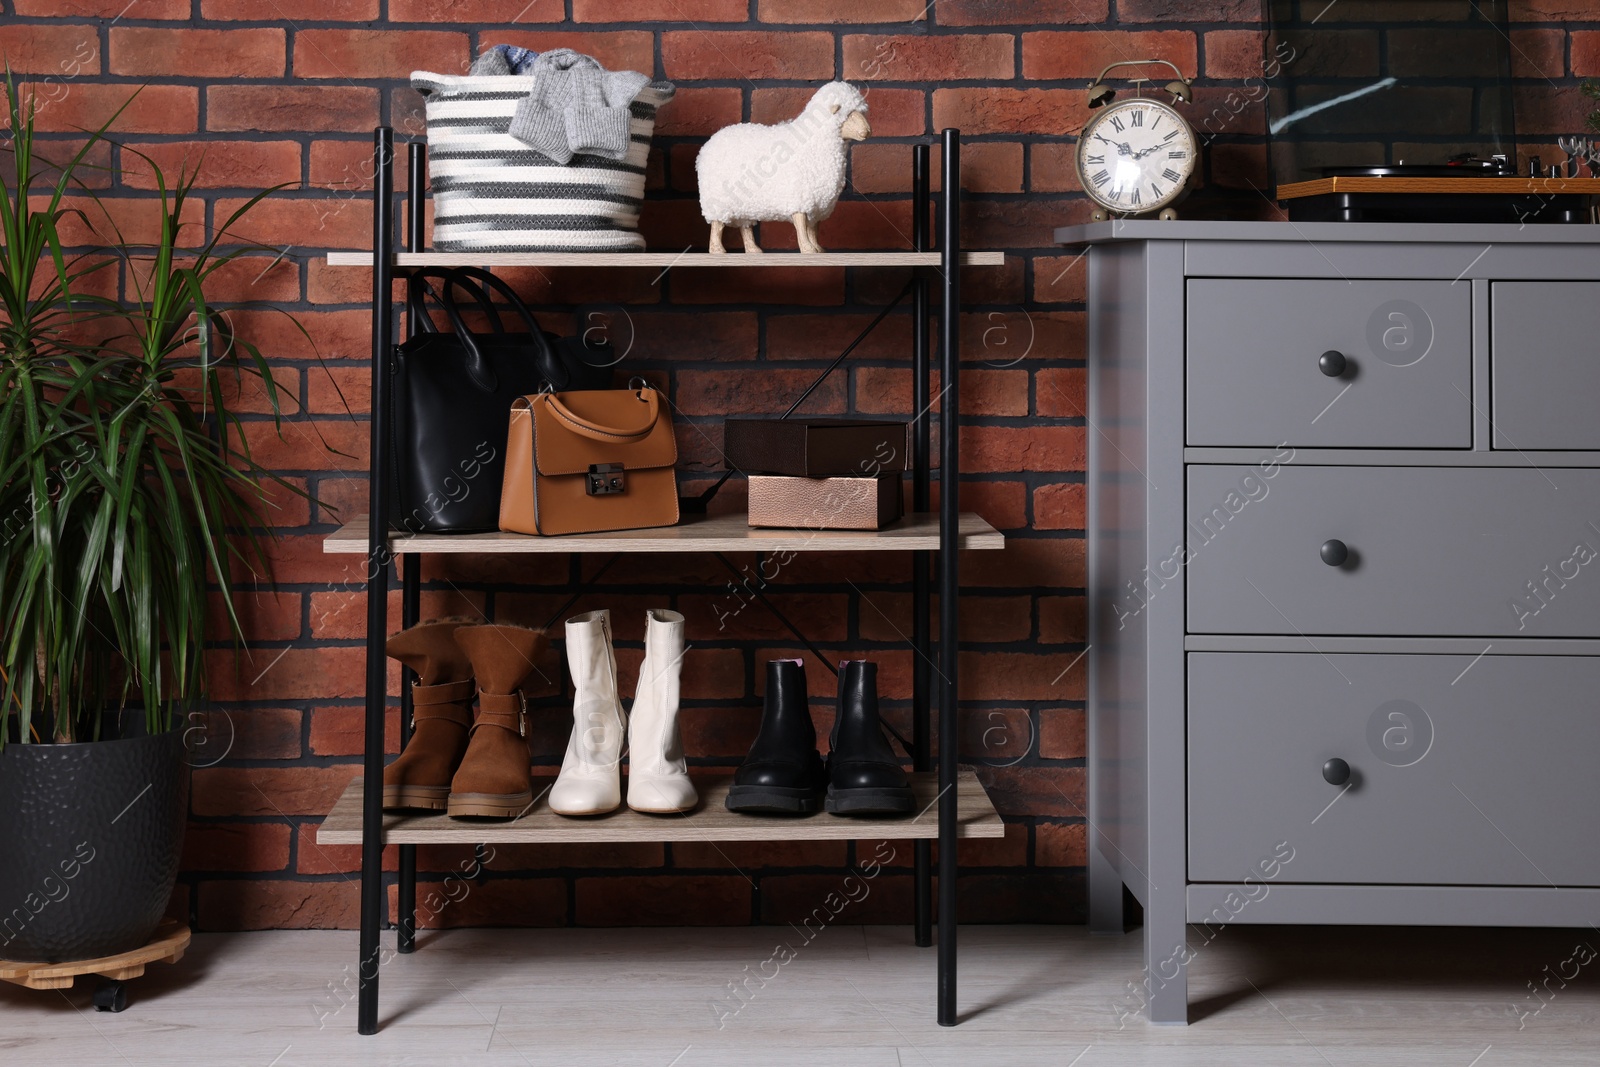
(1135, 156)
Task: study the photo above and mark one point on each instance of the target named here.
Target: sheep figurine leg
(794, 171)
(805, 232)
(747, 230)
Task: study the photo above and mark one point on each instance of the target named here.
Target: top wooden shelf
(696, 533)
(666, 259)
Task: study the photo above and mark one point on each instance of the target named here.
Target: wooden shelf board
(1510, 186)
(710, 821)
(700, 533)
(665, 259)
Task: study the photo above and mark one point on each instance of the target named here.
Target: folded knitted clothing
(504, 59)
(576, 106)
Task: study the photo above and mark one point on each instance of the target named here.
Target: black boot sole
(890, 800)
(772, 799)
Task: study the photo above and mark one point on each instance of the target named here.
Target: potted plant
(127, 490)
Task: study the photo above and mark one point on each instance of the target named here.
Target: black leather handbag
(452, 394)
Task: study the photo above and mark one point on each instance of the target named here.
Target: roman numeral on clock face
(1134, 199)
(1170, 135)
(1138, 118)
(1171, 175)
(1091, 160)
(1102, 177)
(1116, 123)
(1175, 154)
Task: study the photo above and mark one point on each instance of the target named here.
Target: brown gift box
(825, 503)
(816, 448)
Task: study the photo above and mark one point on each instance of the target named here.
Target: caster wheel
(1167, 214)
(1097, 215)
(111, 996)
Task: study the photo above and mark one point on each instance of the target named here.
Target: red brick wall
(288, 91)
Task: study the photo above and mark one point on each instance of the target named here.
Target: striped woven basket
(492, 193)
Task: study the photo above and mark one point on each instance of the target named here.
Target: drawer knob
(1336, 771)
(1335, 552)
(1333, 364)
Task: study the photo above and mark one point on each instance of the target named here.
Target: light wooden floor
(1281, 997)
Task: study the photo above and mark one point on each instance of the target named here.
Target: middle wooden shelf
(696, 533)
(710, 821)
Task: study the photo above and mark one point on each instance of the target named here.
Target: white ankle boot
(658, 778)
(590, 780)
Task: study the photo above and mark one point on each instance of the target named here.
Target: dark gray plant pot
(90, 840)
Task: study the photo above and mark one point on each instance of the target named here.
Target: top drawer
(1546, 374)
(1398, 373)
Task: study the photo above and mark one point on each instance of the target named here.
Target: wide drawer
(1430, 550)
(1256, 373)
(1462, 772)
(1546, 371)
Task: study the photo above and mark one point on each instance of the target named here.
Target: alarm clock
(1136, 156)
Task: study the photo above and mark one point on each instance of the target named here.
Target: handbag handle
(605, 434)
(478, 282)
(418, 290)
(550, 368)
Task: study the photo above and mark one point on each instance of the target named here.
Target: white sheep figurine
(794, 170)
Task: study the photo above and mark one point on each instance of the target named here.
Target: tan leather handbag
(589, 461)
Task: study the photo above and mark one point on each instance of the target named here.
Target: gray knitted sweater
(576, 106)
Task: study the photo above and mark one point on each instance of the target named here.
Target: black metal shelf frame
(930, 658)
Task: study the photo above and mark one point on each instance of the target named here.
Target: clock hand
(1122, 147)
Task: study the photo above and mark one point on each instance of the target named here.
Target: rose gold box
(825, 503)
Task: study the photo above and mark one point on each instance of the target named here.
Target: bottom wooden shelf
(710, 821)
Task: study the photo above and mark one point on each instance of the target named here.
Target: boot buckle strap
(456, 713)
(506, 710)
(447, 697)
(423, 696)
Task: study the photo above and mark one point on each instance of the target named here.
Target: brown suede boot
(495, 779)
(441, 716)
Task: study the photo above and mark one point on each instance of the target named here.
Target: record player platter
(1476, 168)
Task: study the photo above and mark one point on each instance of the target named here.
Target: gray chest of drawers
(1344, 579)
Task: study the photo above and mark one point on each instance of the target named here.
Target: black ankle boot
(783, 772)
(864, 777)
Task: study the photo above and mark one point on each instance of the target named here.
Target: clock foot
(1098, 215)
(1167, 214)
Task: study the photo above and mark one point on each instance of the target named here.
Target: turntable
(1466, 189)
(1406, 112)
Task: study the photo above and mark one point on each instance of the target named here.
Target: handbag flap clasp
(606, 479)
(617, 429)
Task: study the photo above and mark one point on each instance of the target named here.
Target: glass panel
(1370, 82)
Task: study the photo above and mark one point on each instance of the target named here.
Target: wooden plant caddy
(168, 946)
(952, 802)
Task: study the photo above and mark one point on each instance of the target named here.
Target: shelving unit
(953, 803)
